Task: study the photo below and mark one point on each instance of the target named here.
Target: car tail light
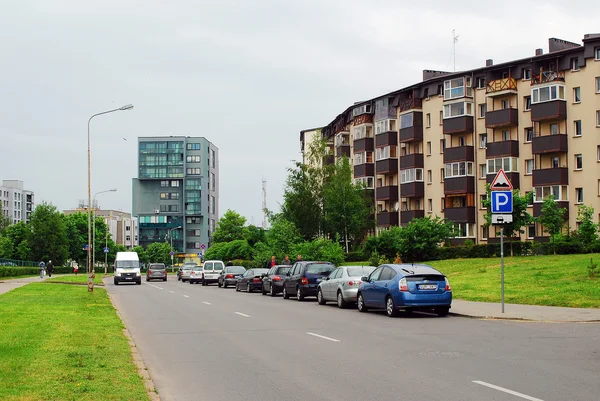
(357, 283)
(276, 278)
(165, 272)
(304, 280)
(229, 276)
(448, 288)
(256, 280)
(402, 285)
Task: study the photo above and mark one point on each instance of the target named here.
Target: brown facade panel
(329, 159)
(364, 170)
(407, 216)
(389, 138)
(387, 166)
(364, 144)
(459, 154)
(414, 133)
(514, 178)
(412, 190)
(502, 118)
(410, 103)
(410, 161)
(502, 149)
(551, 176)
(549, 144)
(386, 193)
(460, 214)
(537, 209)
(553, 110)
(458, 125)
(387, 219)
(343, 150)
(459, 185)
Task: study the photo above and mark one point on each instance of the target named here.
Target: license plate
(428, 287)
(128, 278)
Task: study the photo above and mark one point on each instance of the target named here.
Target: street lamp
(89, 250)
(171, 236)
(94, 225)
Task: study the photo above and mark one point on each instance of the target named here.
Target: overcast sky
(247, 75)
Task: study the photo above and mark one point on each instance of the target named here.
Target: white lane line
(323, 337)
(524, 396)
(206, 303)
(172, 292)
(155, 286)
(187, 296)
(242, 314)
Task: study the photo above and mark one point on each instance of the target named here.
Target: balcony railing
(410, 134)
(342, 151)
(363, 144)
(386, 139)
(552, 110)
(548, 76)
(537, 208)
(411, 103)
(364, 170)
(500, 85)
(459, 154)
(550, 144)
(387, 193)
(406, 216)
(550, 176)
(459, 185)
(412, 190)
(458, 125)
(387, 166)
(502, 148)
(460, 214)
(411, 161)
(502, 118)
(387, 219)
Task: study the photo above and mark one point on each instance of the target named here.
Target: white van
(127, 268)
(212, 271)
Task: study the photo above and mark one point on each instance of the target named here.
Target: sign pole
(502, 263)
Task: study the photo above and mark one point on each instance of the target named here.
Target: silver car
(342, 285)
(185, 272)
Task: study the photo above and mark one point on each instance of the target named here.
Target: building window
(430, 205)
(193, 146)
(461, 141)
(575, 64)
(443, 203)
(504, 104)
(579, 195)
(458, 169)
(481, 83)
(485, 232)
(429, 177)
(174, 184)
(193, 159)
(597, 118)
(508, 164)
(528, 166)
(553, 129)
(429, 148)
(193, 171)
(577, 127)
(366, 182)
(386, 152)
(213, 158)
(598, 153)
(482, 110)
(441, 117)
(579, 162)
(559, 192)
(526, 74)
(550, 93)
(464, 230)
(527, 100)
(482, 199)
(530, 231)
(164, 183)
(555, 162)
(442, 172)
(597, 84)
(411, 175)
(577, 95)
(428, 120)
(506, 135)
(482, 171)
(457, 109)
(529, 134)
(597, 53)
(406, 121)
(442, 145)
(457, 88)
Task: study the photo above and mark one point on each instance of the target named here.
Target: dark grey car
(156, 271)
(230, 275)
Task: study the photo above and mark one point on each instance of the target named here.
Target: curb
(520, 319)
(73, 283)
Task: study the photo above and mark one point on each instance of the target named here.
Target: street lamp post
(170, 232)
(94, 224)
(89, 250)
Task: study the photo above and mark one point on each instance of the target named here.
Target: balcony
(387, 193)
(459, 185)
(407, 216)
(343, 150)
(385, 113)
(550, 144)
(410, 134)
(499, 87)
(387, 166)
(548, 76)
(502, 148)
(412, 190)
(387, 219)
(364, 170)
(537, 208)
(552, 110)
(364, 144)
(329, 159)
(412, 160)
(550, 176)
(513, 177)
(409, 104)
(502, 118)
(459, 154)
(458, 125)
(389, 138)
(460, 214)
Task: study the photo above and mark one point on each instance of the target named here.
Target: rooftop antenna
(264, 203)
(455, 39)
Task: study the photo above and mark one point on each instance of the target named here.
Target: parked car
(185, 272)
(405, 287)
(273, 280)
(251, 280)
(230, 276)
(304, 278)
(212, 271)
(195, 275)
(156, 271)
(186, 264)
(342, 285)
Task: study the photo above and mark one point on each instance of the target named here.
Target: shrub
(592, 268)
(355, 256)
(374, 259)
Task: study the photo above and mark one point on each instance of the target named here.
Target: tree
(4, 223)
(6, 247)
(321, 249)
(19, 235)
(421, 237)
(280, 240)
(552, 218)
(588, 230)
(76, 227)
(230, 228)
(254, 235)
(347, 213)
(143, 255)
(159, 252)
(48, 234)
(520, 215)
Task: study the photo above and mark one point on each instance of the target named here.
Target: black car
(230, 275)
(251, 280)
(304, 278)
(273, 281)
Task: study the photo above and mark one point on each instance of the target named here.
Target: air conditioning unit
(156, 211)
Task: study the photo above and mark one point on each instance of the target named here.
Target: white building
(16, 203)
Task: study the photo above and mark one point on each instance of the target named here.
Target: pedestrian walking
(50, 268)
(286, 261)
(42, 269)
(75, 268)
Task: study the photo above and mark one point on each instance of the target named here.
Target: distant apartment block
(430, 149)
(17, 203)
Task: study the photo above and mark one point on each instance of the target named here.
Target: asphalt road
(209, 343)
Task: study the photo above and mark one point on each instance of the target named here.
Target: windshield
(235, 270)
(320, 269)
(258, 272)
(283, 270)
(127, 264)
(359, 271)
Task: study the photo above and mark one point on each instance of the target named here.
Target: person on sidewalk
(50, 268)
(299, 258)
(286, 261)
(75, 268)
(271, 262)
(42, 269)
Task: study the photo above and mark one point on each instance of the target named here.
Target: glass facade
(161, 159)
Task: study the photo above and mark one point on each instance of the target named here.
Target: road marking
(323, 337)
(524, 396)
(155, 286)
(172, 292)
(187, 296)
(206, 303)
(242, 314)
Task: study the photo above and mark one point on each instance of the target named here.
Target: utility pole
(454, 40)
(264, 203)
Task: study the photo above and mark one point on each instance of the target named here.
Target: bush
(355, 256)
(322, 250)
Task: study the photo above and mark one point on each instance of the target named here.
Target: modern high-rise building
(177, 191)
(430, 149)
(16, 203)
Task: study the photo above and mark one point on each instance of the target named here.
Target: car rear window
(157, 266)
(319, 268)
(258, 272)
(421, 277)
(283, 270)
(359, 271)
(235, 269)
(219, 266)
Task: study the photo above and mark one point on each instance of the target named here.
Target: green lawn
(60, 342)
(80, 278)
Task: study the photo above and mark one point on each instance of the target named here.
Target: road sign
(106, 250)
(202, 246)
(200, 254)
(502, 218)
(502, 201)
(501, 182)
(171, 253)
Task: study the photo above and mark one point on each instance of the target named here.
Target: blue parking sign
(502, 201)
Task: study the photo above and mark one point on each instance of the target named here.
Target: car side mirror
(327, 279)
(364, 279)
(288, 274)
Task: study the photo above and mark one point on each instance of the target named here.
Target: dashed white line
(155, 286)
(323, 337)
(206, 303)
(242, 314)
(524, 396)
(187, 296)
(172, 292)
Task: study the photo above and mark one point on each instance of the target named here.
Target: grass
(552, 280)
(60, 342)
(80, 278)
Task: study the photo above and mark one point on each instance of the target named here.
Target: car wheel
(116, 282)
(442, 311)
(320, 298)
(272, 291)
(224, 284)
(285, 294)
(341, 302)
(237, 288)
(147, 279)
(360, 303)
(390, 309)
(139, 282)
(299, 296)
(191, 282)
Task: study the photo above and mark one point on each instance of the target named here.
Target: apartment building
(177, 191)
(16, 203)
(431, 148)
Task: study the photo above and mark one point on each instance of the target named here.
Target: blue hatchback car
(405, 287)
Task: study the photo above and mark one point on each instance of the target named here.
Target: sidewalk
(11, 284)
(523, 312)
